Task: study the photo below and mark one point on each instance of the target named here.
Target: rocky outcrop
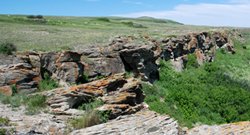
(131, 54)
(22, 124)
(64, 67)
(22, 76)
(202, 45)
(121, 95)
(142, 123)
(240, 128)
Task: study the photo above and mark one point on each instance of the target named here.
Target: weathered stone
(115, 89)
(21, 75)
(142, 123)
(64, 67)
(240, 128)
(202, 44)
(6, 90)
(22, 124)
(141, 61)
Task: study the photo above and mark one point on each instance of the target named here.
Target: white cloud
(234, 13)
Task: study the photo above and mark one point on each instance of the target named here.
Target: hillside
(83, 75)
(58, 33)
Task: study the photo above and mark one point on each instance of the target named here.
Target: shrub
(91, 116)
(134, 25)
(88, 119)
(90, 105)
(4, 121)
(47, 83)
(7, 48)
(35, 17)
(104, 19)
(34, 104)
(192, 62)
(199, 95)
(3, 131)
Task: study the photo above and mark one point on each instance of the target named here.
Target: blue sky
(197, 12)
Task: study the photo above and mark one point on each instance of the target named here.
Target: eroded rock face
(142, 123)
(22, 76)
(64, 67)
(203, 45)
(114, 91)
(124, 54)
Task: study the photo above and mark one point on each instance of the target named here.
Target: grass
(4, 121)
(91, 116)
(33, 103)
(58, 33)
(47, 83)
(7, 48)
(214, 93)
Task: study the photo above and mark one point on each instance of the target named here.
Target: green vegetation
(34, 103)
(3, 131)
(4, 121)
(56, 33)
(214, 93)
(90, 105)
(90, 117)
(47, 83)
(7, 48)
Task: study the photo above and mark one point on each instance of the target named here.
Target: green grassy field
(57, 33)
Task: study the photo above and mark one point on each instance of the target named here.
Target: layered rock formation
(203, 45)
(142, 123)
(124, 54)
(120, 95)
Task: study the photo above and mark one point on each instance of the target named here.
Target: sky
(194, 12)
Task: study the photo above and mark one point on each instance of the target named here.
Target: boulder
(142, 62)
(64, 67)
(21, 76)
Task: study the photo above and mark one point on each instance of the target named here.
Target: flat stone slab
(144, 122)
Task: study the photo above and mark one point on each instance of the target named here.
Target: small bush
(7, 48)
(88, 119)
(47, 83)
(134, 25)
(4, 121)
(34, 104)
(192, 62)
(91, 105)
(35, 17)
(14, 101)
(104, 19)
(3, 131)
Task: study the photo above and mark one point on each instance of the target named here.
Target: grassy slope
(215, 93)
(77, 32)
